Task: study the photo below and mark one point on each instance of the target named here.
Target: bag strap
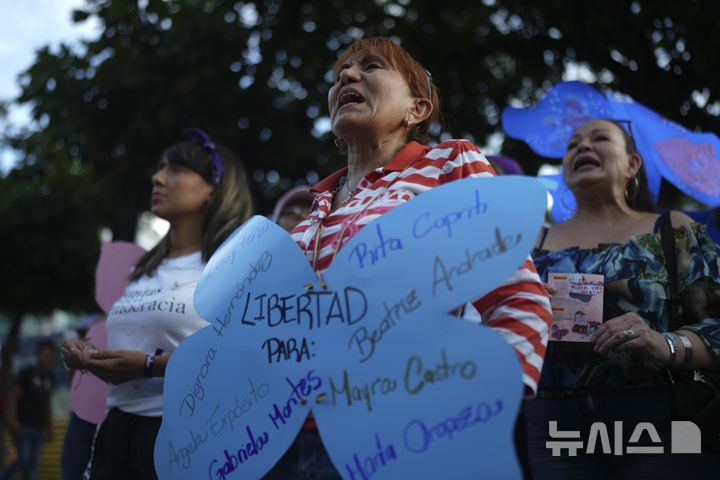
(545, 230)
(667, 239)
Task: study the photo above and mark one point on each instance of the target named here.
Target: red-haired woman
(381, 107)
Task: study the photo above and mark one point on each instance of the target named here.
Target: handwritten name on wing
(381, 246)
(251, 445)
(261, 265)
(417, 377)
(364, 340)
(419, 435)
(444, 275)
(216, 423)
(366, 465)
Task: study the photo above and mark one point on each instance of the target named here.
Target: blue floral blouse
(635, 281)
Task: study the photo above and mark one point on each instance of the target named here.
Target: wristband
(673, 346)
(688, 348)
(149, 362)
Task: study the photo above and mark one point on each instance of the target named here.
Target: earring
(631, 196)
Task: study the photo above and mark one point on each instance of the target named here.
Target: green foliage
(48, 223)
(255, 76)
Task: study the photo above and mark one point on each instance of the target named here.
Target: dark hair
(641, 199)
(417, 77)
(229, 207)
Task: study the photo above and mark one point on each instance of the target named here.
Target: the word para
(283, 350)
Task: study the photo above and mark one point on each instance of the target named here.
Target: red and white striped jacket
(519, 309)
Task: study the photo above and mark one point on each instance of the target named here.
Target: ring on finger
(628, 334)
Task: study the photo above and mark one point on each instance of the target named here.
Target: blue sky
(25, 26)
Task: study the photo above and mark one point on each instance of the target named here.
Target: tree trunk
(9, 348)
(123, 225)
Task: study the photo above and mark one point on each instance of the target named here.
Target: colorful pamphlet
(577, 306)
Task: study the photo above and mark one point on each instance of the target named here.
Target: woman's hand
(550, 289)
(117, 366)
(75, 353)
(630, 333)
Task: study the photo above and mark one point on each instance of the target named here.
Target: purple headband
(198, 137)
(509, 165)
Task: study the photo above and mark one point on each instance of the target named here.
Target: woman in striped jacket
(382, 105)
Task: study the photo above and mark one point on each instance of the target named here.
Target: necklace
(351, 192)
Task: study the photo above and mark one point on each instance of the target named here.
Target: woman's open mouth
(349, 98)
(585, 162)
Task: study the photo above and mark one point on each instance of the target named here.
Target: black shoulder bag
(696, 393)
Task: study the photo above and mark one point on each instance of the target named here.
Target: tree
(50, 245)
(256, 75)
(660, 53)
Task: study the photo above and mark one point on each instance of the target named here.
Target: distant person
(201, 188)
(293, 207)
(29, 412)
(505, 165)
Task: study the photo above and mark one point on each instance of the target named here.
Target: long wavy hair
(230, 205)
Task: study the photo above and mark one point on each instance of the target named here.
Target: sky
(26, 26)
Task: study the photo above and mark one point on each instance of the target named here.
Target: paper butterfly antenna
(321, 281)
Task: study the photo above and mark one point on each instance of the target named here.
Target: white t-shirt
(154, 312)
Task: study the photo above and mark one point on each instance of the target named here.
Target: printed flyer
(577, 306)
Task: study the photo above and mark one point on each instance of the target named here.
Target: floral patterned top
(635, 281)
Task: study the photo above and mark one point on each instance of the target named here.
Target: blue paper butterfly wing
(446, 238)
(689, 160)
(222, 386)
(473, 235)
(547, 127)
